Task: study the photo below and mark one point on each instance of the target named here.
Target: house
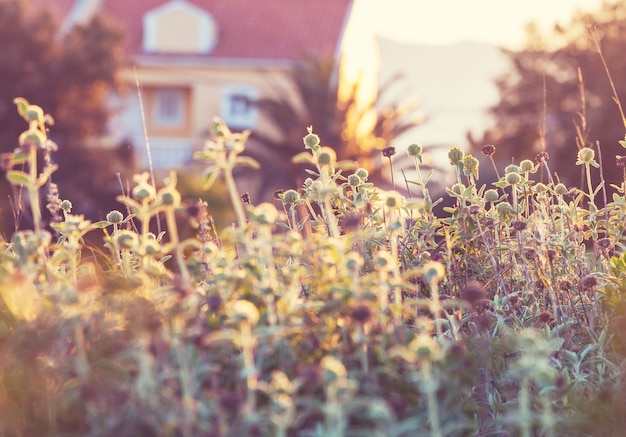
(196, 59)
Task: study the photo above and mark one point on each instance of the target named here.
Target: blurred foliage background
(564, 72)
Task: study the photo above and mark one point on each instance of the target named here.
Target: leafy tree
(356, 131)
(566, 74)
(72, 76)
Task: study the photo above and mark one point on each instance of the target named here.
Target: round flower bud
(151, 246)
(414, 150)
(513, 178)
(291, 196)
(126, 239)
(143, 191)
(115, 217)
(491, 195)
(540, 188)
(265, 213)
(434, 271)
(383, 261)
(34, 113)
(169, 196)
(455, 155)
(66, 205)
(425, 347)
(526, 165)
(394, 200)
(512, 168)
(362, 173)
(586, 155)
(560, 189)
(504, 208)
(311, 141)
(458, 188)
(470, 166)
(326, 157)
(354, 261)
(354, 180)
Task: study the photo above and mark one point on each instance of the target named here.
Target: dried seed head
(544, 317)
(530, 254)
(214, 301)
(589, 282)
(389, 151)
(278, 193)
(361, 313)
(552, 254)
(514, 300)
(542, 157)
(474, 209)
(488, 150)
(519, 225)
(565, 285)
(473, 292)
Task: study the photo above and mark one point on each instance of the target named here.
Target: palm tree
(357, 132)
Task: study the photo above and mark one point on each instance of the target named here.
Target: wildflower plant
(346, 310)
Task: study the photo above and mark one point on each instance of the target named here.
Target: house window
(169, 107)
(239, 109)
(169, 111)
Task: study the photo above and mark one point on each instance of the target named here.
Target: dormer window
(179, 27)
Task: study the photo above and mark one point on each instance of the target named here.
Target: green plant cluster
(347, 311)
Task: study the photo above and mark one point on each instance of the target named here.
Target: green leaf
(101, 224)
(22, 104)
(209, 179)
(17, 177)
(302, 158)
(247, 161)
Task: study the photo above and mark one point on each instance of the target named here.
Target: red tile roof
(276, 30)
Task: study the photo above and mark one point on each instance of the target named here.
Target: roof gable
(178, 27)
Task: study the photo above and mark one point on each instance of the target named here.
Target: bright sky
(499, 22)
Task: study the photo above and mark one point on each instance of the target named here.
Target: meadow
(340, 310)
